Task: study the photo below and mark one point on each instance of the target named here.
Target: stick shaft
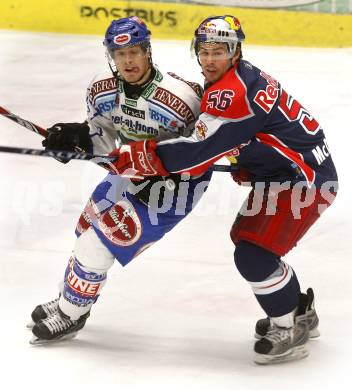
(23, 122)
(83, 156)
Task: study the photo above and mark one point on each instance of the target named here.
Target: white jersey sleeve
(100, 99)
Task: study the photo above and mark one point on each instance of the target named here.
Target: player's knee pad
(253, 262)
(92, 253)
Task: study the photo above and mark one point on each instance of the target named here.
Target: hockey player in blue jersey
(133, 100)
(281, 151)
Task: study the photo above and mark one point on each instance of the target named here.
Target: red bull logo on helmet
(210, 25)
(233, 22)
(122, 39)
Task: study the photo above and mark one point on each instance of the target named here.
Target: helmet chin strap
(114, 72)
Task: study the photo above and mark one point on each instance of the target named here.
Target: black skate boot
(57, 327)
(264, 325)
(43, 311)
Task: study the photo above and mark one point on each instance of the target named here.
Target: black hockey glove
(68, 136)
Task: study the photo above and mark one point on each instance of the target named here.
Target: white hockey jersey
(167, 104)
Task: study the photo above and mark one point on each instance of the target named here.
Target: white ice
(179, 316)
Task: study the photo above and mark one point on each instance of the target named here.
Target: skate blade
(295, 353)
(30, 325)
(36, 341)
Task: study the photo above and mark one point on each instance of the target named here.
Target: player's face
(132, 63)
(215, 60)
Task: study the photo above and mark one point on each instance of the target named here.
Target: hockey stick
(54, 153)
(78, 155)
(23, 122)
(83, 156)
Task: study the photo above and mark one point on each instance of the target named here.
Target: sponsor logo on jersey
(102, 86)
(149, 90)
(158, 76)
(122, 39)
(175, 103)
(84, 222)
(266, 99)
(164, 120)
(131, 102)
(121, 224)
(134, 127)
(105, 105)
(133, 112)
(201, 130)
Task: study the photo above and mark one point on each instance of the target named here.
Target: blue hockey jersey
(247, 115)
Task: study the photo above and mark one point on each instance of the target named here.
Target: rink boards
(177, 21)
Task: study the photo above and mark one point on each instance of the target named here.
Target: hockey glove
(137, 160)
(68, 137)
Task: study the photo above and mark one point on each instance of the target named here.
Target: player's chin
(131, 76)
(212, 77)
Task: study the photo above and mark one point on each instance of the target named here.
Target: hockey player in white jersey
(132, 101)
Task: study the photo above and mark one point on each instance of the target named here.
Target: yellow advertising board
(177, 21)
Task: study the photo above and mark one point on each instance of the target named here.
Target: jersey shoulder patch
(227, 98)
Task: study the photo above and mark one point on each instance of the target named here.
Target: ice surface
(179, 316)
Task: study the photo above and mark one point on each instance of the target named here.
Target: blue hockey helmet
(126, 32)
(219, 29)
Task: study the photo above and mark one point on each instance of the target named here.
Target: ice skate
(264, 325)
(281, 345)
(57, 327)
(43, 311)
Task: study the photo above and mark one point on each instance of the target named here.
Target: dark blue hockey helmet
(219, 29)
(126, 32)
